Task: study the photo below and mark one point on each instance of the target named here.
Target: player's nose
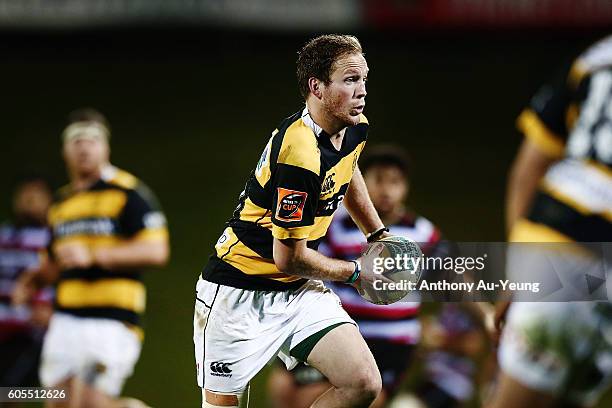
(360, 91)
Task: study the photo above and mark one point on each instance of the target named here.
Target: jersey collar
(108, 172)
(307, 119)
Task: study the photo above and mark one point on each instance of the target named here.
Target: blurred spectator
(23, 245)
(453, 340)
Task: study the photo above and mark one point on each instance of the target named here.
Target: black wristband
(373, 236)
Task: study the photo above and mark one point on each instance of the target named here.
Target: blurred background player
(106, 228)
(560, 190)
(23, 247)
(454, 343)
(390, 331)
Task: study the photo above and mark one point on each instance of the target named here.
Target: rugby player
(106, 228)
(560, 190)
(261, 295)
(391, 331)
(23, 247)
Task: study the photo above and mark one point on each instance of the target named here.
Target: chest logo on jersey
(328, 184)
(290, 204)
(328, 206)
(88, 226)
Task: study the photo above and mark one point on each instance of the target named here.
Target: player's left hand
(74, 255)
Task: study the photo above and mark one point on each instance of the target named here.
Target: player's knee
(213, 400)
(373, 386)
(367, 383)
(225, 400)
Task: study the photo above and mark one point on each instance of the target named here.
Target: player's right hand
(74, 255)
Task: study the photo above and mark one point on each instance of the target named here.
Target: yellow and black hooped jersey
(571, 120)
(116, 209)
(293, 192)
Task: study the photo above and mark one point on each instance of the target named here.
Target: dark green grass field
(191, 111)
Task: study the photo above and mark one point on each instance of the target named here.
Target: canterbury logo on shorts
(290, 204)
(220, 369)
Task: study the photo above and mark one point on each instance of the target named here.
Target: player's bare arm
(527, 171)
(292, 256)
(131, 254)
(360, 207)
(136, 254)
(528, 168)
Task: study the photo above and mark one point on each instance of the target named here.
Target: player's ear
(315, 87)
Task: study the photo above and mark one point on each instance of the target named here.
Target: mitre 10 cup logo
(290, 204)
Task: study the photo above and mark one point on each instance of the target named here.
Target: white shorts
(237, 331)
(563, 349)
(101, 352)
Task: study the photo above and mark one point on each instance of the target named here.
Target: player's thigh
(557, 348)
(512, 394)
(74, 391)
(344, 358)
(113, 350)
(82, 395)
(95, 398)
(62, 352)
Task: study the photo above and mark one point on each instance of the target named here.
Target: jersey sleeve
(295, 197)
(142, 217)
(544, 120)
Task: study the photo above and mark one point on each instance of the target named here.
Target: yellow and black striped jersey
(293, 192)
(571, 121)
(116, 209)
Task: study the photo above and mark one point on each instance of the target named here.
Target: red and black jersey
(22, 247)
(396, 322)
